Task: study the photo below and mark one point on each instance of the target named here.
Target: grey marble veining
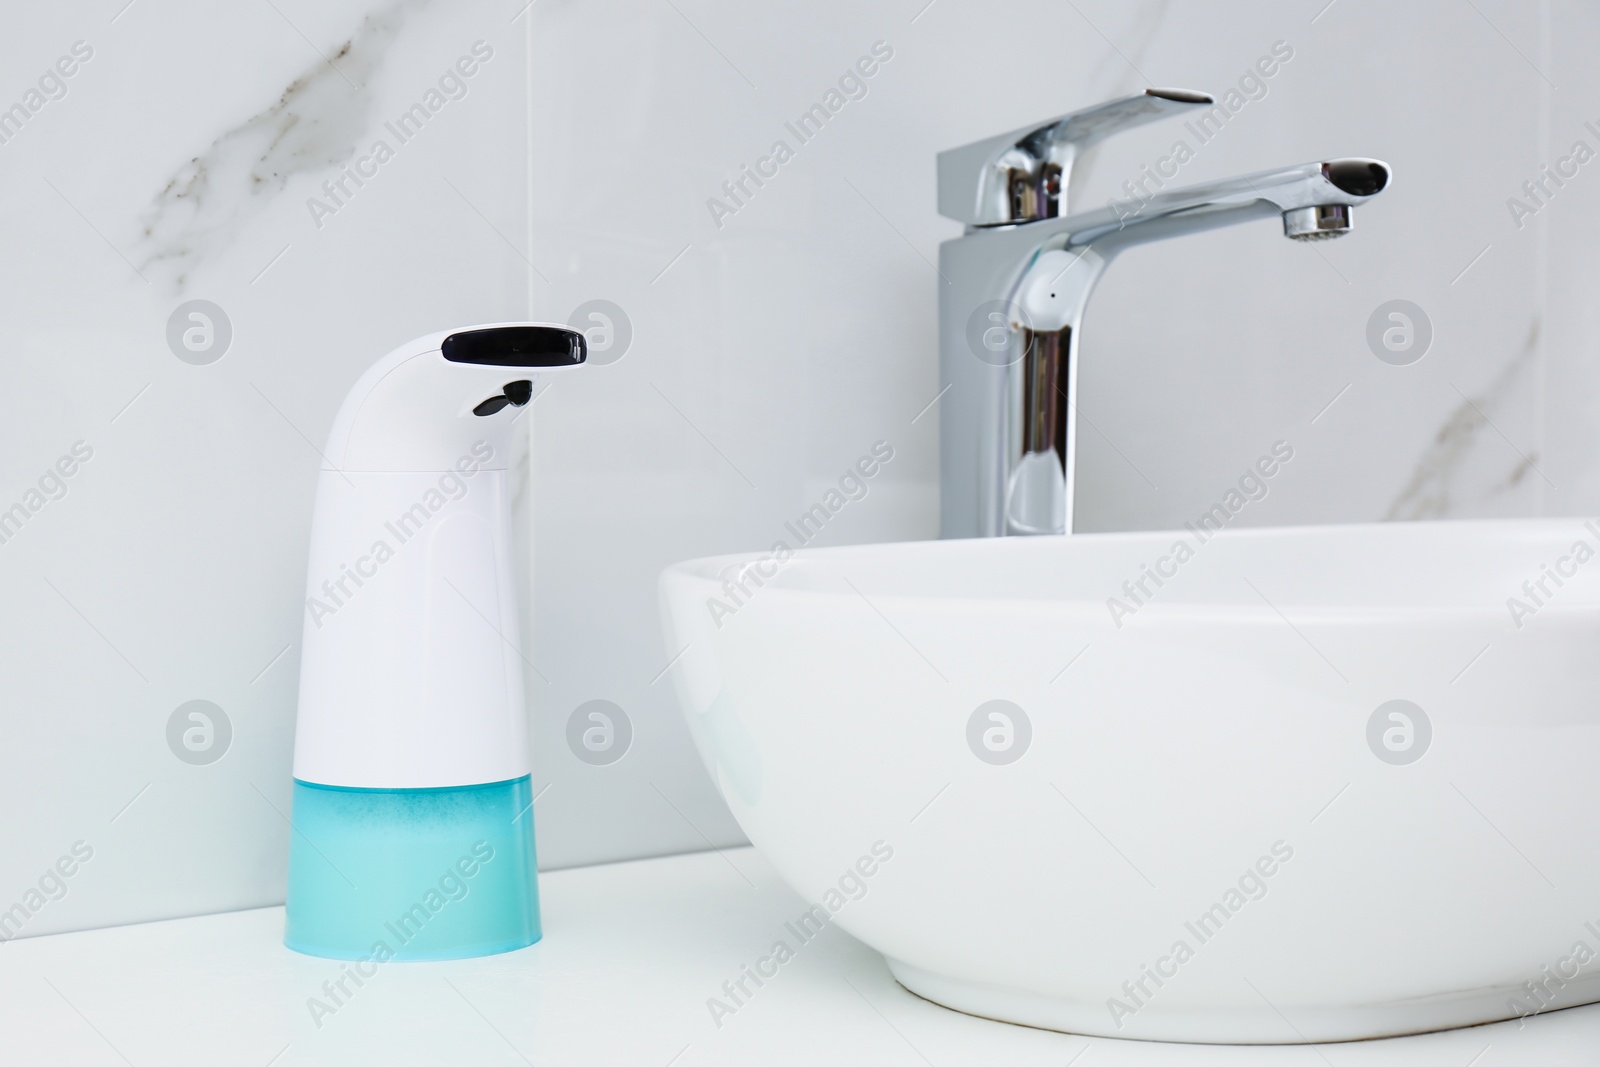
(314, 125)
(1439, 470)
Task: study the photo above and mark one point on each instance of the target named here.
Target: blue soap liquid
(412, 874)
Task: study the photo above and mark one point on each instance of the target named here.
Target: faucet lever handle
(1022, 176)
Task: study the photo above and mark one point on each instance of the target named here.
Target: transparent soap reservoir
(412, 874)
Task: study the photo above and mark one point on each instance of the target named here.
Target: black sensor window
(517, 346)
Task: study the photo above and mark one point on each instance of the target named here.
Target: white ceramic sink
(1219, 755)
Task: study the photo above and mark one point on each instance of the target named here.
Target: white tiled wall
(768, 352)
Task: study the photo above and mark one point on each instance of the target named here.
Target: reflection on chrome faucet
(1019, 278)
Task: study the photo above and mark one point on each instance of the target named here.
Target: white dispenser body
(411, 672)
(412, 666)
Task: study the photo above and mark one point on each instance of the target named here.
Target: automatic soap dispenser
(413, 813)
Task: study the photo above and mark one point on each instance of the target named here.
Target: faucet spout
(1316, 188)
(1315, 200)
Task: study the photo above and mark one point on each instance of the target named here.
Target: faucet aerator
(1323, 222)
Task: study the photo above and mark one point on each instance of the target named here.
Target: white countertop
(630, 956)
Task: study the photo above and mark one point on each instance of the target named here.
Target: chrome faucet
(1016, 283)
